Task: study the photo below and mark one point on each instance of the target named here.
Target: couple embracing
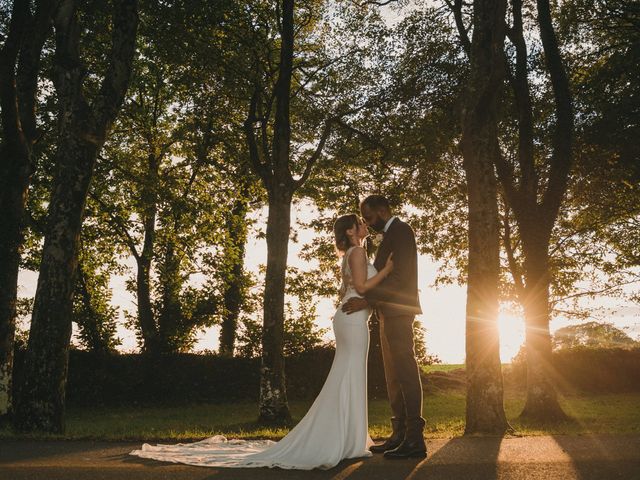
(336, 425)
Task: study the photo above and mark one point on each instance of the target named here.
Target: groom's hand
(354, 304)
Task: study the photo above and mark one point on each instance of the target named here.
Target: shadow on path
(463, 457)
(588, 457)
(26, 449)
(602, 457)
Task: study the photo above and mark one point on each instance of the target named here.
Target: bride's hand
(389, 265)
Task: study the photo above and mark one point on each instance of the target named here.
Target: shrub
(611, 370)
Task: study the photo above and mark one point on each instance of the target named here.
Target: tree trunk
(280, 187)
(18, 87)
(273, 166)
(536, 219)
(484, 410)
(173, 333)
(146, 317)
(542, 401)
(273, 396)
(83, 130)
(14, 198)
(234, 292)
(41, 395)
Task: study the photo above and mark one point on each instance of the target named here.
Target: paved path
(601, 457)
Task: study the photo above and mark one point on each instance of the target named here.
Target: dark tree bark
(273, 397)
(83, 128)
(19, 69)
(235, 289)
(485, 409)
(536, 218)
(173, 332)
(146, 317)
(272, 165)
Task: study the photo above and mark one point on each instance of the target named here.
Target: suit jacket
(397, 294)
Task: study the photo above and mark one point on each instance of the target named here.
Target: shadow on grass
(567, 425)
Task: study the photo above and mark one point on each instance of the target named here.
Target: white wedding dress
(334, 428)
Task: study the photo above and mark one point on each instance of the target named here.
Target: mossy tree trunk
(484, 410)
(82, 131)
(271, 161)
(19, 71)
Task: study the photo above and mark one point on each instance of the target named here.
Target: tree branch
(316, 154)
(116, 80)
(463, 32)
(591, 293)
(29, 66)
(520, 84)
(8, 56)
(562, 156)
(506, 176)
(516, 272)
(117, 223)
(254, 155)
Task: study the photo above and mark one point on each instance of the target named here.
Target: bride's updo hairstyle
(343, 223)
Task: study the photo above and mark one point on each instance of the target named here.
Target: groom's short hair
(376, 201)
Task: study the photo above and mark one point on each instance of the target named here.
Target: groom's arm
(404, 257)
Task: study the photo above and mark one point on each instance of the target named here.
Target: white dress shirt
(388, 224)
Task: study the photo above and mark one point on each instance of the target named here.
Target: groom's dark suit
(396, 299)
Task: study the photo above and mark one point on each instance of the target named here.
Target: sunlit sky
(444, 308)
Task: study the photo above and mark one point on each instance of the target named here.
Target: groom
(396, 302)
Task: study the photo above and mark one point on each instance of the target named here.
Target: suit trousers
(401, 371)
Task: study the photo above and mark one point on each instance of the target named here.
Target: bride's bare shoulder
(356, 254)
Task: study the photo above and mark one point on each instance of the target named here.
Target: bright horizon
(444, 308)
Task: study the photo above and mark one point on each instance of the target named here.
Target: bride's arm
(358, 266)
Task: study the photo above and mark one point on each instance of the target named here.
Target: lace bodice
(347, 290)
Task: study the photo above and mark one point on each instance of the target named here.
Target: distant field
(444, 412)
(447, 367)
(441, 367)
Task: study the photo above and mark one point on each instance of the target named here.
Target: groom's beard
(379, 225)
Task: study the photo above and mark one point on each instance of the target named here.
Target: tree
(601, 201)
(592, 335)
(300, 333)
(92, 312)
(605, 191)
(19, 73)
(272, 153)
(485, 409)
(536, 212)
(236, 281)
(83, 129)
(169, 188)
(535, 205)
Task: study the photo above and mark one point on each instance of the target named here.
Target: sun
(512, 333)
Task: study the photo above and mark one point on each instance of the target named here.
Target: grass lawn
(441, 367)
(447, 367)
(613, 413)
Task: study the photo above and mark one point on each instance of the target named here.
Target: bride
(335, 427)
